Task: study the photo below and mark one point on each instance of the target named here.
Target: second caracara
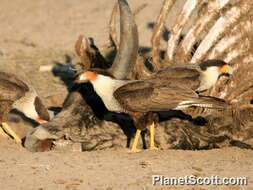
(15, 94)
(141, 98)
(200, 77)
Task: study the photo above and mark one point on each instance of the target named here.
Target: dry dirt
(35, 33)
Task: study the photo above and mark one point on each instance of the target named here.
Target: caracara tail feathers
(204, 102)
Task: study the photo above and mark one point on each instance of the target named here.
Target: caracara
(15, 94)
(141, 97)
(168, 89)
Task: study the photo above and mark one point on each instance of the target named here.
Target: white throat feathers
(26, 105)
(208, 78)
(105, 87)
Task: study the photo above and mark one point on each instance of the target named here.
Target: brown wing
(177, 72)
(11, 88)
(143, 96)
(185, 76)
(41, 109)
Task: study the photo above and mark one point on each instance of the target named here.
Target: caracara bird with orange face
(172, 88)
(159, 93)
(15, 94)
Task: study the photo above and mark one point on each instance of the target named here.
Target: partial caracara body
(198, 77)
(169, 89)
(15, 94)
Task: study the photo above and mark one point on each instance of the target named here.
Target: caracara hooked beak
(226, 69)
(86, 77)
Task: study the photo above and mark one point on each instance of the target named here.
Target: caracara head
(217, 65)
(211, 71)
(87, 76)
(226, 69)
(93, 75)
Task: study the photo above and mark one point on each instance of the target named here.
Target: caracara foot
(10, 132)
(134, 150)
(153, 148)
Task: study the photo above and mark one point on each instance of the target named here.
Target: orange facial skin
(224, 69)
(91, 76)
(41, 121)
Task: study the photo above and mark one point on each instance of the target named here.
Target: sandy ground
(35, 33)
(117, 169)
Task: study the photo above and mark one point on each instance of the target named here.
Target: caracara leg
(2, 133)
(10, 132)
(136, 140)
(152, 137)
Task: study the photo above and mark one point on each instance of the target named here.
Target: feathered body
(159, 93)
